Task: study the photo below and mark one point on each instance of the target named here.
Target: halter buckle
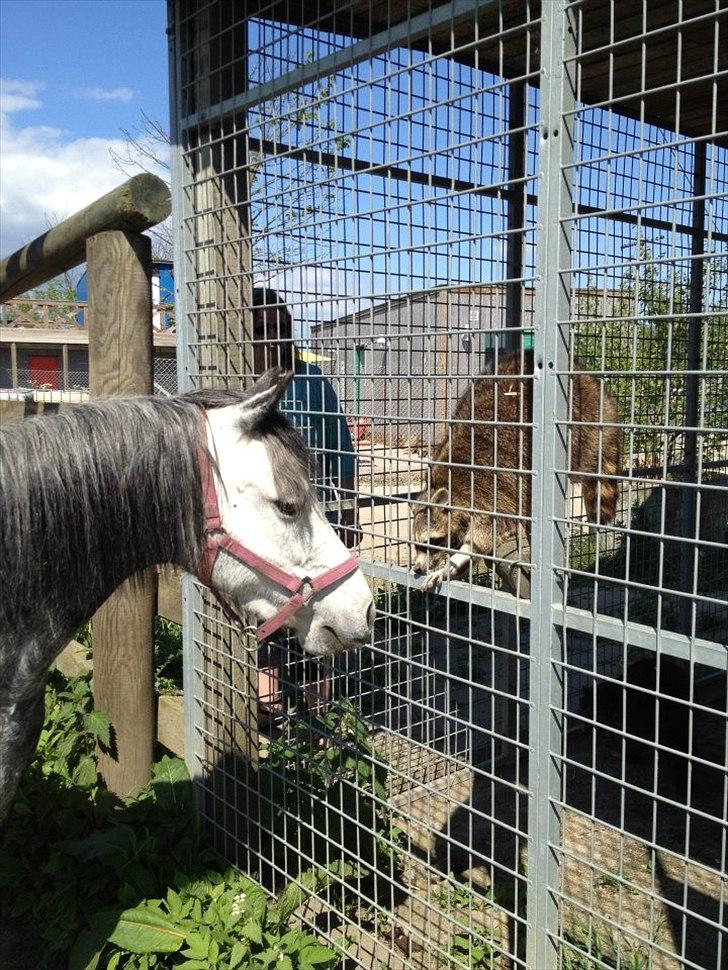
(306, 590)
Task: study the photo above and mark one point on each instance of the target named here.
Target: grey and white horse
(90, 496)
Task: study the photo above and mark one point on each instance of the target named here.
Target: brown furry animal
(473, 509)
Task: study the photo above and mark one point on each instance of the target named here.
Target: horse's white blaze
(303, 546)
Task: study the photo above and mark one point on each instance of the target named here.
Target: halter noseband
(218, 540)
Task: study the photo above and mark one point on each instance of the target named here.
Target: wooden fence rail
(45, 314)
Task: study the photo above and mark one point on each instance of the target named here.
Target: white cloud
(106, 94)
(47, 175)
(16, 95)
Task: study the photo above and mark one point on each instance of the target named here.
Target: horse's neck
(116, 491)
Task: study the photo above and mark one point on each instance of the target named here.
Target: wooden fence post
(121, 362)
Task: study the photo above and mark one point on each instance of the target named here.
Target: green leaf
(239, 953)
(197, 945)
(86, 775)
(89, 944)
(171, 784)
(97, 723)
(86, 951)
(252, 931)
(103, 844)
(316, 956)
(143, 930)
(312, 881)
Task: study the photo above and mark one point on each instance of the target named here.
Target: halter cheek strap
(218, 540)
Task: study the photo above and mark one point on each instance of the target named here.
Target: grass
(599, 948)
(474, 943)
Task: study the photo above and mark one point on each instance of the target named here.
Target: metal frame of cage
(591, 221)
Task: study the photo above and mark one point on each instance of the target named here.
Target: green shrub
(132, 884)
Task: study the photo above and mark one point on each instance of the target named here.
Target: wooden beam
(72, 662)
(171, 723)
(169, 596)
(223, 319)
(136, 205)
(64, 355)
(14, 364)
(120, 362)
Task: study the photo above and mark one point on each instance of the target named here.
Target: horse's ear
(265, 394)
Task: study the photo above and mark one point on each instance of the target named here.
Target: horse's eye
(288, 509)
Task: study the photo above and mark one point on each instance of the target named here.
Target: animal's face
(266, 503)
(432, 529)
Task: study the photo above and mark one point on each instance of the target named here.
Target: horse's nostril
(370, 614)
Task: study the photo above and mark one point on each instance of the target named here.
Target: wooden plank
(169, 596)
(77, 337)
(136, 205)
(72, 662)
(171, 723)
(11, 412)
(223, 292)
(120, 362)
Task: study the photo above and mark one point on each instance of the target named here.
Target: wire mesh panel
(643, 779)
(490, 240)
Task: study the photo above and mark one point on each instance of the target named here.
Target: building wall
(402, 365)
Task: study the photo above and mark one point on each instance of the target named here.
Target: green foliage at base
(131, 884)
(320, 791)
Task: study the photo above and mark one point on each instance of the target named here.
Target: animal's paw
(435, 579)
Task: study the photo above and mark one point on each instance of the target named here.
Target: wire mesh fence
(35, 381)
(491, 238)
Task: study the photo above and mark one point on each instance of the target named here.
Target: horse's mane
(93, 494)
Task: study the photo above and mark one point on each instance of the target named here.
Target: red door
(44, 371)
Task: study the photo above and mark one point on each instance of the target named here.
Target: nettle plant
(131, 884)
(322, 794)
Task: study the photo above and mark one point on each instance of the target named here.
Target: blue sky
(74, 73)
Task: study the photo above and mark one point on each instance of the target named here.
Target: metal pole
(550, 413)
(14, 364)
(64, 355)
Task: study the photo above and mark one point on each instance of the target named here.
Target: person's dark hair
(263, 297)
(274, 347)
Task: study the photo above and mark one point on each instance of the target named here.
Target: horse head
(269, 549)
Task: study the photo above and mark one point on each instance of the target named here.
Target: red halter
(218, 540)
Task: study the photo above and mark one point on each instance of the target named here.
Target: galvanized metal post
(186, 371)
(550, 412)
